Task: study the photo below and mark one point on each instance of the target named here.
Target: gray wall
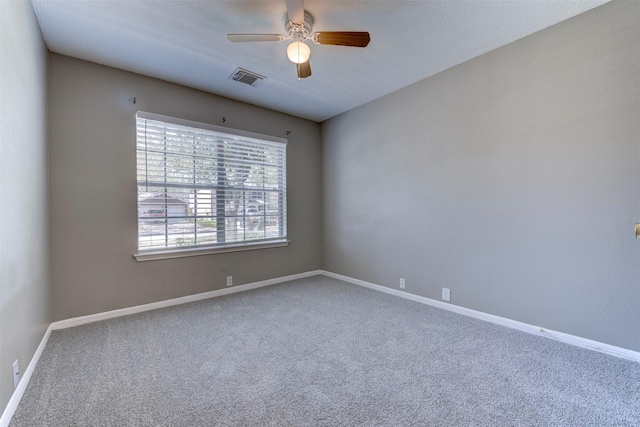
(24, 221)
(512, 179)
(93, 191)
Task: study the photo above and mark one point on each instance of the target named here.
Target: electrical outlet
(229, 280)
(402, 284)
(446, 294)
(16, 374)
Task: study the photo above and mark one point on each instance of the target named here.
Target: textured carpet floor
(320, 352)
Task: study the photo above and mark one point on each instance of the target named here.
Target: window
(206, 189)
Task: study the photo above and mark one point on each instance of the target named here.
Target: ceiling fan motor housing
(299, 31)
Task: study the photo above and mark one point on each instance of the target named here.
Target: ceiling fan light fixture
(298, 52)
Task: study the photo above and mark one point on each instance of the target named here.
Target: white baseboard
(76, 321)
(612, 350)
(11, 407)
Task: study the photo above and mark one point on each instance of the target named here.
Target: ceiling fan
(298, 26)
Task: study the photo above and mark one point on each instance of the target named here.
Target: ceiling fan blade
(342, 38)
(255, 37)
(295, 10)
(304, 70)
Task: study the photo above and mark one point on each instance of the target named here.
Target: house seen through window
(202, 186)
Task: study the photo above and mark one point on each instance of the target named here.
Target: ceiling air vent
(245, 76)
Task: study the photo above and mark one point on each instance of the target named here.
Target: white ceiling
(185, 42)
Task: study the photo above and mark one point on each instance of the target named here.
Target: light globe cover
(298, 52)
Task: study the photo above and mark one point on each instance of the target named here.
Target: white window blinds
(202, 186)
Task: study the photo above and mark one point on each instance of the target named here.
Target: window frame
(213, 248)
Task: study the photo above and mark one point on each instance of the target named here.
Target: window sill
(181, 253)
